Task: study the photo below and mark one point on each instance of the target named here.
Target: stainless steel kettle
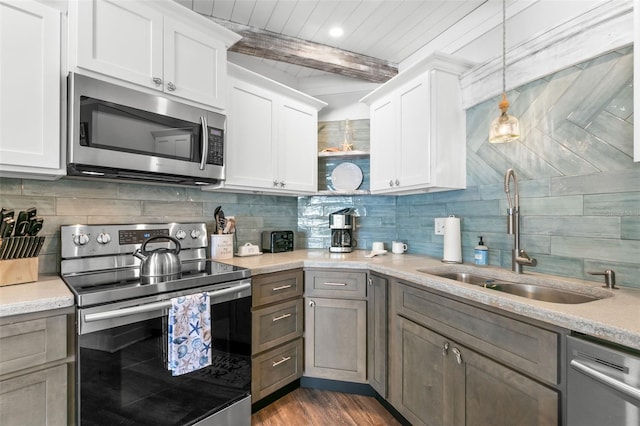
(161, 262)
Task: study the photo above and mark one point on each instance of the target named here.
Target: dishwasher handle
(607, 380)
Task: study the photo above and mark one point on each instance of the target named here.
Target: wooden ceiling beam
(277, 47)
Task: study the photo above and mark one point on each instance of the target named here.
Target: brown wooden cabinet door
(37, 398)
(336, 339)
(377, 333)
(435, 381)
(421, 375)
(498, 396)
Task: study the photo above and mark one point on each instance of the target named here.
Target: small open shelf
(343, 154)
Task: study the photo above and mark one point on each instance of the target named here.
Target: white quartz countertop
(49, 292)
(615, 318)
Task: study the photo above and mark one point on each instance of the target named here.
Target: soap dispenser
(481, 253)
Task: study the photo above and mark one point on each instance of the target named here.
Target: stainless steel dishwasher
(603, 384)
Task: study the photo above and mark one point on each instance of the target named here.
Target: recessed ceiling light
(336, 32)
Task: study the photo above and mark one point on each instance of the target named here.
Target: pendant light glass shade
(505, 128)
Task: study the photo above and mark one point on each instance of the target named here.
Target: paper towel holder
(452, 244)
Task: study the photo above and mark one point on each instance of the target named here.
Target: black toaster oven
(277, 241)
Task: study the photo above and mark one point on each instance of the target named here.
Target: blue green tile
(596, 248)
(618, 204)
(10, 186)
(630, 227)
(70, 188)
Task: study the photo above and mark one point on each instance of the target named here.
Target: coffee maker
(343, 225)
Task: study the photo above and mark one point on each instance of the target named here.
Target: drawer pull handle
(282, 287)
(336, 284)
(283, 360)
(281, 317)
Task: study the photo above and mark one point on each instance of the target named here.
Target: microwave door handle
(205, 141)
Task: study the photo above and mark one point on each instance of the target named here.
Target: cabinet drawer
(512, 342)
(270, 288)
(30, 343)
(276, 324)
(275, 369)
(341, 284)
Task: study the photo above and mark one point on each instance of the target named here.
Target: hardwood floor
(305, 406)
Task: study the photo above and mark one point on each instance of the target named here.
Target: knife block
(18, 271)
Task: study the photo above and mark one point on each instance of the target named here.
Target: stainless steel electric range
(121, 372)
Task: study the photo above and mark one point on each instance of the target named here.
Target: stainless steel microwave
(119, 133)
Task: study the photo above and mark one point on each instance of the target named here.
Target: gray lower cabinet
(377, 331)
(437, 379)
(277, 321)
(37, 398)
(336, 325)
(34, 368)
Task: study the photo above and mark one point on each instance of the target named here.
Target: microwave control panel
(216, 147)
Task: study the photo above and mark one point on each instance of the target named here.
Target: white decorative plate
(346, 177)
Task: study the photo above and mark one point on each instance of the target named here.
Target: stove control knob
(80, 239)
(195, 234)
(181, 234)
(103, 238)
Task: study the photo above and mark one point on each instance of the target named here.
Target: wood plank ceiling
(378, 34)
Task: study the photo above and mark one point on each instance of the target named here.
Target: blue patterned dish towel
(189, 333)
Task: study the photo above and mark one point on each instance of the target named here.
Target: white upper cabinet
(272, 136)
(30, 90)
(298, 146)
(418, 130)
(159, 45)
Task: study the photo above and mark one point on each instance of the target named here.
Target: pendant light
(504, 128)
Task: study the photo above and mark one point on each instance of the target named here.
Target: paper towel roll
(452, 242)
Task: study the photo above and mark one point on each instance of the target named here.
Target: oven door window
(123, 375)
(119, 128)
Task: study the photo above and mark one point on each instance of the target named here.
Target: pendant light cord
(504, 46)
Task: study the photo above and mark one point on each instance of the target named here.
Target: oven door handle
(116, 313)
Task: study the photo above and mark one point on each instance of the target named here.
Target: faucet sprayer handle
(524, 259)
(609, 278)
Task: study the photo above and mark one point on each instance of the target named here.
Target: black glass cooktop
(113, 285)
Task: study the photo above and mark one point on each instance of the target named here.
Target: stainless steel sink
(546, 294)
(465, 277)
(530, 291)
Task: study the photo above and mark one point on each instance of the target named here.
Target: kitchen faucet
(518, 256)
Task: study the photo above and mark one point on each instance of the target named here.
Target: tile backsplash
(579, 187)
(71, 201)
